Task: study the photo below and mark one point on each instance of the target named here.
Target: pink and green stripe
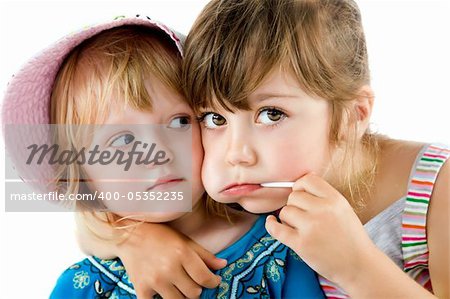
(414, 218)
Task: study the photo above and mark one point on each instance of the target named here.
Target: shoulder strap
(414, 218)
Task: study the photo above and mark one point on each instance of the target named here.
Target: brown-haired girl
(283, 91)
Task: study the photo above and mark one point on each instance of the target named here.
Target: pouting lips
(240, 189)
(166, 181)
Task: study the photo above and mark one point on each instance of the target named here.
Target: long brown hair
(233, 45)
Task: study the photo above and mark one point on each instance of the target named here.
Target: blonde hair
(105, 71)
(233, 45)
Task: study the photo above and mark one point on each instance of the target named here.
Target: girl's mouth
(240, 189)
(164, 183)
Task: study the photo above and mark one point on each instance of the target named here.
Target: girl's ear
(363, 107)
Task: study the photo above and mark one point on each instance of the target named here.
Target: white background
(408, 45)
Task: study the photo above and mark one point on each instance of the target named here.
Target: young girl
(125, 76)
(284, 95)
(283, 92)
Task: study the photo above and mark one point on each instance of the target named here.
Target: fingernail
(224, 261)
(267, 223)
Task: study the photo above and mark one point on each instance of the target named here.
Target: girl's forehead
(280, 82)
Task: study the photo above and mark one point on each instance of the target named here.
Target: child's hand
(321, 227)
(161, 260)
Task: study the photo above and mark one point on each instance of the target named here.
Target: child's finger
(315, 185)
(144, 293)
(169, 291)
(303, 200)
(282, 232)
(208, 258)
(291, 216)
(187, 285)
(199, 272)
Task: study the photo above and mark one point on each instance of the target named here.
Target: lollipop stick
(278, 184)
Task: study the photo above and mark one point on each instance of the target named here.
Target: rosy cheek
(290, 165)
(287, 158)
(207, 171)
(211, 173)
(197, 155)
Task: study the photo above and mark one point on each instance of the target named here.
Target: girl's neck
(204, 229)
(191, 222)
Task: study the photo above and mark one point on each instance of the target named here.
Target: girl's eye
(122, 140)
(213, 120)
(270, 116)
(180, 122)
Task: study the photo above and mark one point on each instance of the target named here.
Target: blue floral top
(94, 278)
(258, 267)
(261, 267)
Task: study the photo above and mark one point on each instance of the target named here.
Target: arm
(149, 263)
(319, 224)
(438, 231)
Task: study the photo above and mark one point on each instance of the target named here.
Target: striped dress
(412, 231)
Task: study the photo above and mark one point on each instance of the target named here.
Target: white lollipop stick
(278, 184)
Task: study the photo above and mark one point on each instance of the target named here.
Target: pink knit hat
(27, 97)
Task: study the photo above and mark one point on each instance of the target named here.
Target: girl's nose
(240, 150)
(241, 155)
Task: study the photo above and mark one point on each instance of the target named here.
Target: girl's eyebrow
(270, 96)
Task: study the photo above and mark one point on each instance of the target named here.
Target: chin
(261, 206)
(158, 217)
